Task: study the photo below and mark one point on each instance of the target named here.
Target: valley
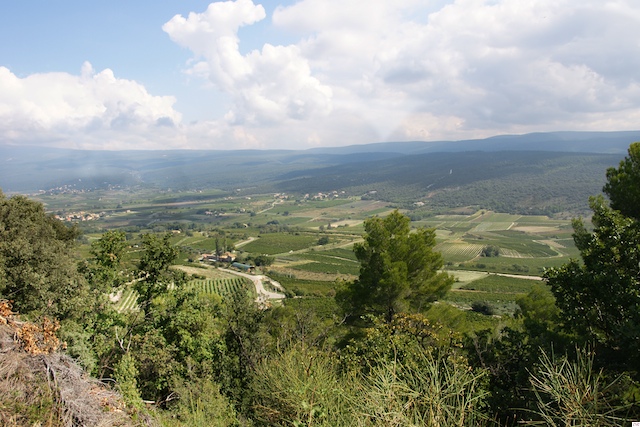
(309, 239)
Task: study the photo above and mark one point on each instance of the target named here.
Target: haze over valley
(325, 213)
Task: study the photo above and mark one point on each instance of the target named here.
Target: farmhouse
(225, 257)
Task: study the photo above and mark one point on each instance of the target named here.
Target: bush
(483, 307)
(301, 387)
(200, 404)
(490, 251)
(574, 392)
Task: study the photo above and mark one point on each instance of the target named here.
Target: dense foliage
(398, 269)
(622, 184)
(384, 355)
(37, 269)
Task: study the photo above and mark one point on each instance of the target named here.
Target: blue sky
(299, 74)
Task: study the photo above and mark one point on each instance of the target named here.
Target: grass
(327, 262)
(276, 243)
(522, 266)
(302, 287)
(325, 308)
(500, 284)
(498, 291)
(325, 267)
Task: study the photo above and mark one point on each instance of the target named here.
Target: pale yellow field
(208, 272)
(535, 229)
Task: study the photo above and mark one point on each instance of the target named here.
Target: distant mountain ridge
(397, 170)
(565, 141)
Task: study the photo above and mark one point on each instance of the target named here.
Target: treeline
(382, 354)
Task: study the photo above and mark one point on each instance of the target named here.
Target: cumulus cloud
(89, 110)
(353, 72)
(268, 86)
(469, 68)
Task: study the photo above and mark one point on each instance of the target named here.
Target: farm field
(275, 243)
(222, 286)
(310, 241)
(499, 292)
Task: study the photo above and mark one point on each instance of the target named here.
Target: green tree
(109, 249)
(622, 185)
(179, 340)
(105, 271)
(246, 344)
(399, 270)
(154, 265)
(599, 298)
(37, 268)
(490, 251)
(263, 260)
(125, 373)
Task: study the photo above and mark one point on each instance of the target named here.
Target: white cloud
(472, 67)
(355, 72)
(268, 86)
(90, 110)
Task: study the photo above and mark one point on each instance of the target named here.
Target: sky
(297, 74)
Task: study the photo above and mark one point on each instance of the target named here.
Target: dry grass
(206, 271)
(310, 275)
(39, 386)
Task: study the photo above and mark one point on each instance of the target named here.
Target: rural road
(244, 242)
(257, 280)
(518, 276)
(514, 276)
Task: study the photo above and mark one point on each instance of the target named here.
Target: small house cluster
(225, 257)
(80, 216)
(325, 196)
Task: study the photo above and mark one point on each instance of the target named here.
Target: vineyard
(127, 301)
(224, 287)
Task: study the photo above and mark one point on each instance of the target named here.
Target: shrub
(483, 307)
(573, 392)
(490, 251)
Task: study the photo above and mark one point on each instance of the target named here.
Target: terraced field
(127, 301)
(458, 251)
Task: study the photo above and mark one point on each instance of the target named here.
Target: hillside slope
(511, 181)
(29, 169)
(41, 386)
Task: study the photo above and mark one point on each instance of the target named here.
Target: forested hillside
(535, 173)
(516, 182)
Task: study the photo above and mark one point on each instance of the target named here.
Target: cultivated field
(311, 241)
(224, 287)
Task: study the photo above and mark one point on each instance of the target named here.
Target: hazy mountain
(583, 142)
(28, 169)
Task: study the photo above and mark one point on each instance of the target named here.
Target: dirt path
(257, 280)
(518, 276)
(244, 242)
(514, 276)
